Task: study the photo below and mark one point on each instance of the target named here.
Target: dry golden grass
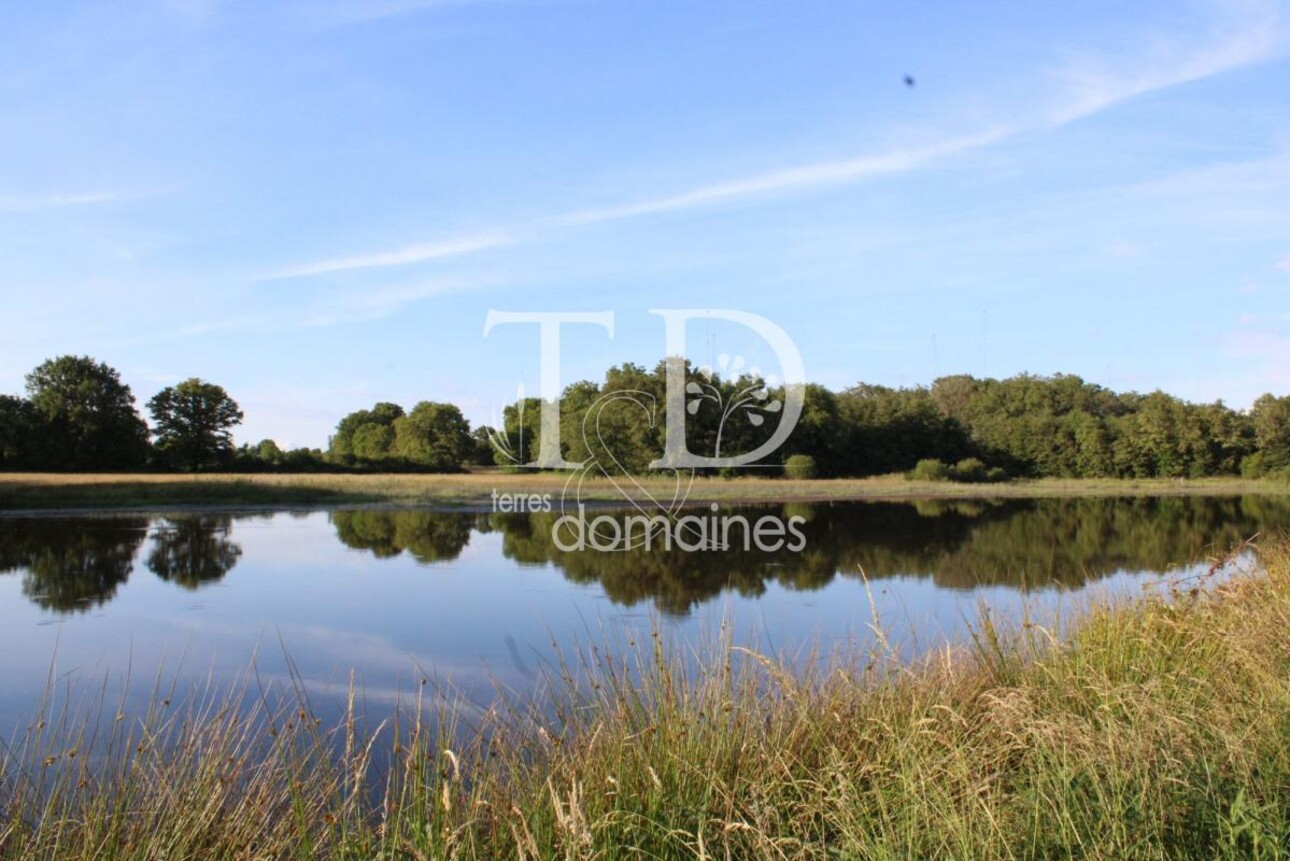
(54, 490)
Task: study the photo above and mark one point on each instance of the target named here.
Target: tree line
(958, 427)
(77, 415)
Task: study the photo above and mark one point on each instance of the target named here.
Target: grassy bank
(58, 490)
(1158, 729)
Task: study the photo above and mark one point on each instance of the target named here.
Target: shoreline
(36, 493)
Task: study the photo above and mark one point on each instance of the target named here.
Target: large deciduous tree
(194, 422)
(433, 435)
(87, 415)
(365, 436)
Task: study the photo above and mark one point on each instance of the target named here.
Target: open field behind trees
(94, 490)
(1157, 729)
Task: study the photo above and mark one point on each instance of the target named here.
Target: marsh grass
(93, 490)
(1158, 728)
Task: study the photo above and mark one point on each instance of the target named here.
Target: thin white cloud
(1251, 34)
(1284, 263)
(1088, 86)
(829, 174)
(422, 252)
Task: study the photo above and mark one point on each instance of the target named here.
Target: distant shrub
(969, 470)
(929, 469)
(1254, 465)
(799, 466)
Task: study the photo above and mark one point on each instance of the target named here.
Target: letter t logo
(549, 456)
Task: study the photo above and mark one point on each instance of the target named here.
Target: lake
(487, 601)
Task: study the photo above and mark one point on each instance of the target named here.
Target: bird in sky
(909, 81)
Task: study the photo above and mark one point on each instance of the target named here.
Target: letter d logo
(676, 454)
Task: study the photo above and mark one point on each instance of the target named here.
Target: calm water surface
(483, 600)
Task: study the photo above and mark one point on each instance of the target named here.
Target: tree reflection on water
(72, 564)
(1027, 544)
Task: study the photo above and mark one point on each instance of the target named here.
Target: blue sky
(315, 204)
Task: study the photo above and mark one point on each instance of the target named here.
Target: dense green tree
(1229, 437)
(263, 456)
(361, 428)
(727, 416)
(800, 466)
(87, 416)
(819, 433)
(890, 430)
(373, 442)
(434, 436)
(267, 450)
(306, 460)
(575, 402)
(1270, 423)
(20, 439)
(1093, 440)
(622, 429)
(194, 421)
(481, 446)
(521, 437)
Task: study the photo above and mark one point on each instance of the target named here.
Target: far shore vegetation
(36, 491)
(1149, 729)
(77, 416)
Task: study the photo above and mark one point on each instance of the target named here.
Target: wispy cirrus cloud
(421, 252)
(795, 179)
(1249, 33)
(827, 174)
(1284, 263)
